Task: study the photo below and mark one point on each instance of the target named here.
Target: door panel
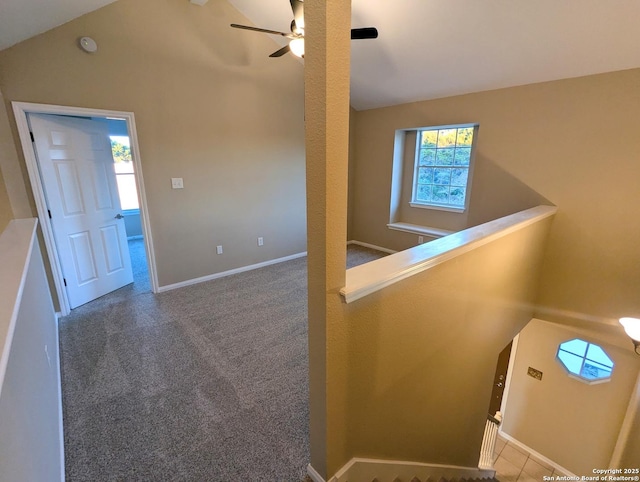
(78, 176)
(112, 254)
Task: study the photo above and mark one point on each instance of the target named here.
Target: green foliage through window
(443, 161)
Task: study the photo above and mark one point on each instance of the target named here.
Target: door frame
(21, 110)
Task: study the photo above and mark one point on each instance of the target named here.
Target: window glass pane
(462, 156)
(456, 196)
(427, 157)
(465, 136)
(424, 192)
(442, 176)
(572, 362)
(425, 175)
(429, 138)
(588, 361)
(577, 347)
(127, 191)
(597, 354)
(444, 157)
(444, 148)
(447, 137)
(594, 371)
(441, 194)
(459, 177)
(123, 167)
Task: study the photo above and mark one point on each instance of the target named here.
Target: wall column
(327, 56)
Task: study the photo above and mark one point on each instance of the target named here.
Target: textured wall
(584, 419)
(417, 359)
(327, 141)
(573, 142)
(210, 107)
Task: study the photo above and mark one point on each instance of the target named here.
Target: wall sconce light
(632, 329)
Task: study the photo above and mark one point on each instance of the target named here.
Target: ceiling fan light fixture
(297, 47)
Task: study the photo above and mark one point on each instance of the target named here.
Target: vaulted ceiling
(430, 48)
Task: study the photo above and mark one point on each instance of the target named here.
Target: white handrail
(370, 277)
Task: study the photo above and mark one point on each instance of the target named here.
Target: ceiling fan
(296, 44)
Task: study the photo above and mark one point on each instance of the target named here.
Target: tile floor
(513, 464)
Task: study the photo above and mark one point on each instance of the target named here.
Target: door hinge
(33, 139)
(65, 281)
(49, 212)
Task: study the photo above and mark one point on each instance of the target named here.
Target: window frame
(416, 165)
(578, 376)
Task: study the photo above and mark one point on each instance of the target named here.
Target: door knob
(119, 216)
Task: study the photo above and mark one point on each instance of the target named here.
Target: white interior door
(78, 176)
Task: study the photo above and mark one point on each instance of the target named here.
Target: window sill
(437, 208)
(417, 229)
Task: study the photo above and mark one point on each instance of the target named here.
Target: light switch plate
(176, 183)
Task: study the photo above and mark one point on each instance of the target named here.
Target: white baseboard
(542, 458)
(230, 272)
(315, 476)
(365, 470)
(371, 246)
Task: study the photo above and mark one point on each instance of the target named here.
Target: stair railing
(489, 441)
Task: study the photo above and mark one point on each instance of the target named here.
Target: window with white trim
(443, 167)
(125, 176)
(586, 361)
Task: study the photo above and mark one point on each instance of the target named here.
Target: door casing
(20, 110)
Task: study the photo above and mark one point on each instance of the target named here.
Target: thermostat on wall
(88, 44)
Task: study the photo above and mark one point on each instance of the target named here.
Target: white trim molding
(418, 229)
(366, 470)
(21, 110)
(371, 246)
(378, 274)
(315, 476)
(230, 272)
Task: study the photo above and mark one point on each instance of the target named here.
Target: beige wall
(210, 107)
(573, 142)
(570, 422)
(8, 168)
(327, 141)
(413, 364)
(6, 214)
(30, 409)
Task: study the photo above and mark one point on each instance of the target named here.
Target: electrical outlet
(176, 183)
(261, 241)
(420, 239)
(219, 249)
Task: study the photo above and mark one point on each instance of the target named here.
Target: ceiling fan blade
(263, 30)
(298, 13)
(364, 33)
(281, 52)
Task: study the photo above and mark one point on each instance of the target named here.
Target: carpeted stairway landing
(203, 383)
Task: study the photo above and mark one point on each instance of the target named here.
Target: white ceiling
(430, 48)
(22, 19)
(437, 48)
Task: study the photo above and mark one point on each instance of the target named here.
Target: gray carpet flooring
(203, 383)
